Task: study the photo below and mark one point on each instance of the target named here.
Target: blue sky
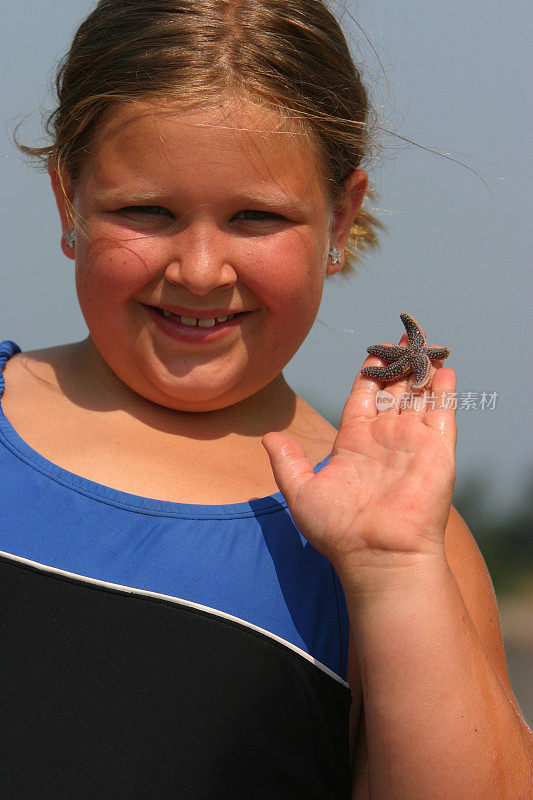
(453, 78)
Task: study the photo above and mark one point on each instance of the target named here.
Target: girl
(209, 591)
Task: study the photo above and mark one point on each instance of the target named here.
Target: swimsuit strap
(7, 349)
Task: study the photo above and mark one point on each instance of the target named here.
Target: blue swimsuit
(225, 636)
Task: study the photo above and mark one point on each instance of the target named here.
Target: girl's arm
(477, 603)
(440, 719)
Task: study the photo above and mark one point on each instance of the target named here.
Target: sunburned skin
(196, 215)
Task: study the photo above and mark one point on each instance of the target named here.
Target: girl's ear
(64, 198)
(345, 213)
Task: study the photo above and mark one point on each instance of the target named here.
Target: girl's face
(201, 215)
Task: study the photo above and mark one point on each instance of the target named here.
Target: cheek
(289, 276)
(110, 272)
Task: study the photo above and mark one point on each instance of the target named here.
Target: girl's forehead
(240, 139)
(234, 118)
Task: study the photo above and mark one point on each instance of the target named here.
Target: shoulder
(35, 367)
(35, 390)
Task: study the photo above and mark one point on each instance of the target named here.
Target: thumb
(289, 464)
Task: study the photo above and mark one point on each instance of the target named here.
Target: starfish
(415, 358)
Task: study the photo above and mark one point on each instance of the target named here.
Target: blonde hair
(287, 54)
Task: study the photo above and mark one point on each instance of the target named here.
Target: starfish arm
(415, 334)
(393, 372)
(422, 370)
(388, 352)
(437, 352)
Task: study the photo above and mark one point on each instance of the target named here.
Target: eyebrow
(112, 193)
(136, 196)
(281, 201)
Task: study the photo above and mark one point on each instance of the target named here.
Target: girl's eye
(257, 216)
(147, 211)
(153, 212)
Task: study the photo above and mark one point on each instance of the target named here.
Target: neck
(89, 382)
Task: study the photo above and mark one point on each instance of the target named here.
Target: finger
(440, 415)
(370, 395)
(361, 402)
(396, 389)
(390, 398)
(289, 463)
(417, 401)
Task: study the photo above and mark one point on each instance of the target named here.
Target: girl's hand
(384, 498)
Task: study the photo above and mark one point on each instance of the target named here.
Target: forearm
(439, 723)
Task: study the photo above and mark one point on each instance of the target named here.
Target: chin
(192, 399)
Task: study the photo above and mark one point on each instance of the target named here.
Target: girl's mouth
(194, 329)
(193, 322)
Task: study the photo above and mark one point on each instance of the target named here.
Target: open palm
(388, 485)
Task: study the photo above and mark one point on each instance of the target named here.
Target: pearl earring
(70, 238)
(335, 256)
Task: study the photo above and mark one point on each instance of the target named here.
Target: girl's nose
(200, 263)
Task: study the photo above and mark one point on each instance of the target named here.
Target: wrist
(393, 578)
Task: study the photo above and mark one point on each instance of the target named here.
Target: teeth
(193, 322)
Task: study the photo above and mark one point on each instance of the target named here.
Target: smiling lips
(195, 326)
(196, 322)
